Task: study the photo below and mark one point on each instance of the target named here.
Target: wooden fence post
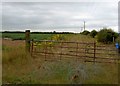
(27, 40)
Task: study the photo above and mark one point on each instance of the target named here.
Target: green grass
(14, 35)
(41, 36)
(21, 36)
(68, 37)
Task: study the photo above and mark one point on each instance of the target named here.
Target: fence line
(90, 52)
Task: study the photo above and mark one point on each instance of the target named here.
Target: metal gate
(88, 52)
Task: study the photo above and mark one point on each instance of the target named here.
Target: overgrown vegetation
(118, 39)
(21, 68)
(106, 36)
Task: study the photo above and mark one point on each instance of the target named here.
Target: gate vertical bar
(27, 38)
(45, 50)
(94, 51)
(32, 47)
(76, 50)
(61, 50)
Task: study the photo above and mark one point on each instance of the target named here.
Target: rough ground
(21, 68)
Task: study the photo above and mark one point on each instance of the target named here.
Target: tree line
(54, 32)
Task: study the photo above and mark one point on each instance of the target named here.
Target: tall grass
(20, 67)
(13, 54)
(14, 61)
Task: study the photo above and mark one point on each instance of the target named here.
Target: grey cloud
(58, 15)
(60, 0)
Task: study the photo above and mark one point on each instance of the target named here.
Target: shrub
(106, 35)
(118, 39)
(85, 32)
(116, 35)
(93, 33)
(58, 37)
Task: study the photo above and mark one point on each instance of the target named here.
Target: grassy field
(21, 36)
(20, 67)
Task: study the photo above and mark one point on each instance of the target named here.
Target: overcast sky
(59, 16)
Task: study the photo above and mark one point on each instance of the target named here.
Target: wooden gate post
(27, 40)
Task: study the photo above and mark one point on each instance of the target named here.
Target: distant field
(21, 36)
